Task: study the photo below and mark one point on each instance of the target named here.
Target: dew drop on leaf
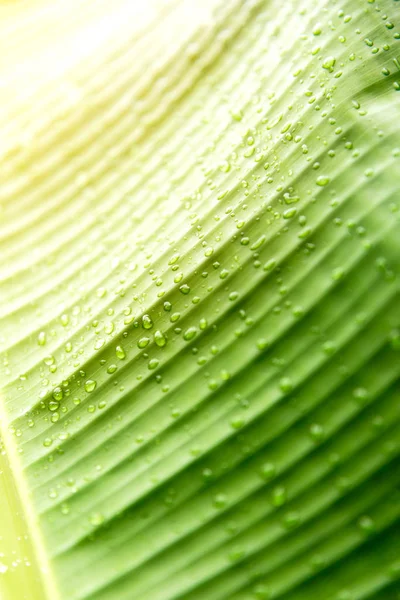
(90, 385)
(147, 322)
(153, 364)
(189, 334)
(42, 338)
(322, 180)
(286, 384)
(279, 496)
(268, 471)
(220, 501)
(143, 342)
(120, 352)
(58, 394)
(96, 519)
(159, 339)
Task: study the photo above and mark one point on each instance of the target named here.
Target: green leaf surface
(200, 322)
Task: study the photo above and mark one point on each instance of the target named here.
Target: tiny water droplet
(147, 322)
(185, 289)
(262, 592)
(329, 63)
(64, 320)
(366, 524)
(42, 338)
(220, 501)
(96, 519)
(160, 339)
(120, 352)
(286, 384)
(268, 471)
(292, 519)
(279, 496)
(322, 180)
(58, 394)
(237, 423)
(189, 334)
(317, 432)
(153, 364)
(143, 342)
(90, 385)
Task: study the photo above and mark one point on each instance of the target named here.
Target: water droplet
(360, 394)
(90, 385)
(262, 592)
(394, 338)
(174, 259)
(64, 508)
(262, 344)
(143, 342)
(322, 180)
(286, 384)
(64, 320)
(99, 343)
(153, 364)
(292, 519)
(289, 213)
(317, 432)
(317, 30)
(189, 334)
(237, 422)
(236, 554)
(366, 524)
(120, 352)
(236, 114)
(203, 324)
(159, 339)
(258, 243)
(329, 347)
(329, 63)
(42, 338)
(225, 167)
(269, 265)
(268, 471)
(147, 322)
(58, 394)
(96, 519)
(345, 595)
(279, 496)
(337, 273)
(220, 501)
(185, 289)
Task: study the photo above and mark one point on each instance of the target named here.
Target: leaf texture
(200, 322)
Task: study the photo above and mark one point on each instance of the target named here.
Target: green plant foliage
(200, 308)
